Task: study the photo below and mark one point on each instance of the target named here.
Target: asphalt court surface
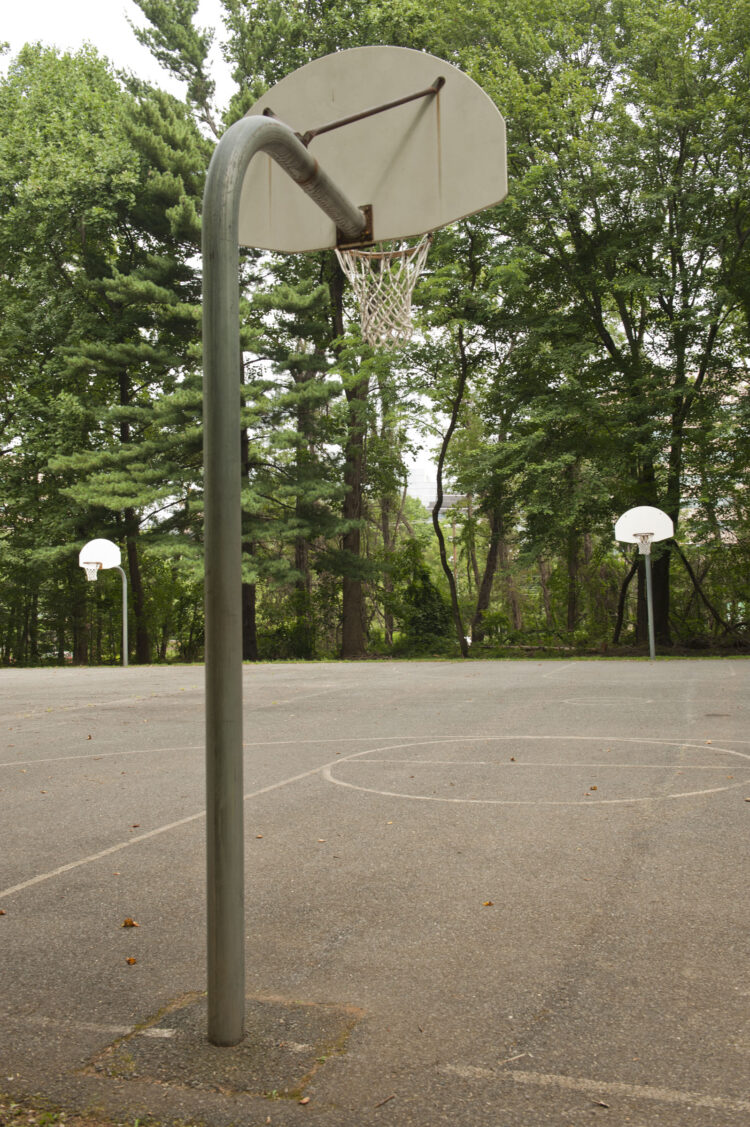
(504, 893)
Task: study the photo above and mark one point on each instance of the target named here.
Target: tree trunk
(34, 629)
(249, 630)
(660, 566)
(248, 596)
(488, 575)
(304, 632)
(352, 603)
(641, 616)
(61, 642)
(456, 407)
(385, 528)
(472, 569)
(511, 591)
(698, 589)
(661, 557)
(79, 621)
(544, 577)
(621, 602)
(572, 568)
(142, 639)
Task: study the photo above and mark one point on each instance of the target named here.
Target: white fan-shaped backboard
(103, 552)
(420, 165)
(643, 520)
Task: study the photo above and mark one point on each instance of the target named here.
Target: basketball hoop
(643, 540)
(92, 570)
(383, 282)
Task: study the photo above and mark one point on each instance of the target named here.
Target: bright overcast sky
(68, 24)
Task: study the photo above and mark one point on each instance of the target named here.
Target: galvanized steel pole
(124, 616)
(223, 538)
(650, 607)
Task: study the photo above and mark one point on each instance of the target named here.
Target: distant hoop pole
(124, 616)
(643, 539)
(650, 609)
(223, 537)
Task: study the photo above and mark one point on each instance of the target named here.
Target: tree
(103, 329)
(66, 176)
(142, 460)
(627, 204)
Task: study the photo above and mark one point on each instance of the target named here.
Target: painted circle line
(328, 772)
(610, 700)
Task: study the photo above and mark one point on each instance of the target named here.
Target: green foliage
(421, 610)
(596, 325)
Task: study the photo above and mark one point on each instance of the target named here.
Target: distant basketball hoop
(642, 526)
(103, 555)
(383, 282)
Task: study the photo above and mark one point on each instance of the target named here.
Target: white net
(92, 570)
(643, 540)
(383, 283)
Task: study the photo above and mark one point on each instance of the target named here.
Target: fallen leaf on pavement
(128, 922)
(131, 962)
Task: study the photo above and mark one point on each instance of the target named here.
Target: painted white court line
(159, 1033)
(520, 764)
(629, 1091)
(325, 771)
(96, 755)
(610, 1088)
(40, 713)
(416, 740)
(563, 667)
(692, 743)
(618, 700)
(526, 801)
(328, 775)
(71, 865)
(41, 877)
(149, 698)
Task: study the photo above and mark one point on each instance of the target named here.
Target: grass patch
(28, 1112)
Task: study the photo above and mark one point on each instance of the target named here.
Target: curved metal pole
(124, 616)
(223, 538)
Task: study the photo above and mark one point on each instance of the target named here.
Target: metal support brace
(223, 537)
